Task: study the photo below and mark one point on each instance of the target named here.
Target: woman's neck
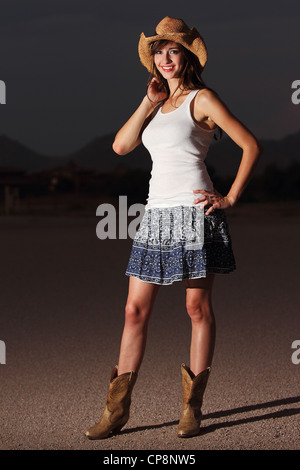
(175, 88)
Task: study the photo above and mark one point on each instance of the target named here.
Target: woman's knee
(135, 314)
(200, 310)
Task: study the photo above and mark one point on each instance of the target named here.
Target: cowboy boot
(117, 404)
(193, 390)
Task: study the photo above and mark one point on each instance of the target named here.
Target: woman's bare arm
(129, 136)
(211, 106)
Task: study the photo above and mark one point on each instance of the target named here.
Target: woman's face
(169, 60)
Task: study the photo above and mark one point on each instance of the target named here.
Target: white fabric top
(178, 147)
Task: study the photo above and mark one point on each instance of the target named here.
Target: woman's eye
(172, 51)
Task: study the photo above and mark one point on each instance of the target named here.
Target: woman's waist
(176, 161)
(178, 198)
(171, 182)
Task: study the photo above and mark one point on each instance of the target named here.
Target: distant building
(11, 180)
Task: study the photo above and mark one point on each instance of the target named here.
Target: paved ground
(63, 294)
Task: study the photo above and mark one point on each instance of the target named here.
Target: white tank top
(178, 147)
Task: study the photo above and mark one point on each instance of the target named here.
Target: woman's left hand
(214, 199)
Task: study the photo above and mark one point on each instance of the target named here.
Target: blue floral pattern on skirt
(182, 242)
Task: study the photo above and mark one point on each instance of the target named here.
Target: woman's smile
(167, 68)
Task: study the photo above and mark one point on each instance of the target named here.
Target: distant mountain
(14, 154)
(99, 154)
(224, 155)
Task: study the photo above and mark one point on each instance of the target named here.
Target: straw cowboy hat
(173, 29)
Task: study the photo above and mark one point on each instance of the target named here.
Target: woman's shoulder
(207, 99)
(206, 94)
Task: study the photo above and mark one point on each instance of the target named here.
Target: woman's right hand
(156, 91)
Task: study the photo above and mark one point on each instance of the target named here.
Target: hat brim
(193, 42)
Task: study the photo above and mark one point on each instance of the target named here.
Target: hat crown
(172, 25)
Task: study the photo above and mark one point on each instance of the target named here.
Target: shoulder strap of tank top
(190, 96)
(186, 104)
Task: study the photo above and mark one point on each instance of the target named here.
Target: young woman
(183, 235)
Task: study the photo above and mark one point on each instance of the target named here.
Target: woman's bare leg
(139, 305)
(199, 308)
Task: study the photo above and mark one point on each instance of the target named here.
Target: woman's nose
(167, 59)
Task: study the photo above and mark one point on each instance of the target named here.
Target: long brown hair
(190, 76)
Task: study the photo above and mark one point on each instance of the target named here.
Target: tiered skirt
(178, 243)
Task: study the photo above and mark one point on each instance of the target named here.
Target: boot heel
(118, 429)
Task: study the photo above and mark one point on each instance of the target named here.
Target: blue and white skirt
(182, 242)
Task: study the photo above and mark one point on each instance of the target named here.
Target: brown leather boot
(116, 411)
(193, 390)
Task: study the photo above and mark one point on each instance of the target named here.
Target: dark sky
(72, 70)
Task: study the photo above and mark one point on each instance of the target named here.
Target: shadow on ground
(243, 409)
